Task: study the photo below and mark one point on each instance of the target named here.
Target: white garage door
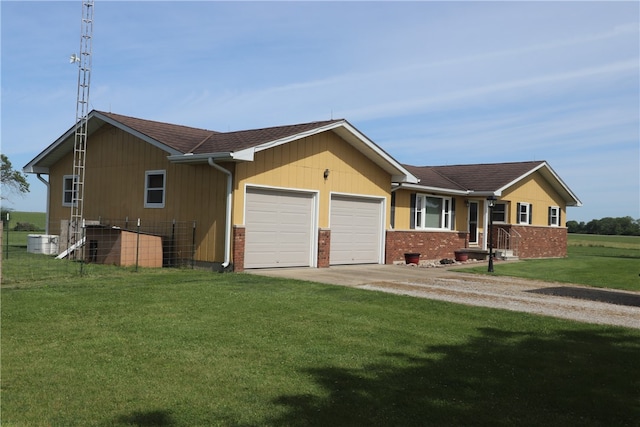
(278, 229)
(356, 230)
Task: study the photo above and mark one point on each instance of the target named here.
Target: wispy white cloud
(432, 82)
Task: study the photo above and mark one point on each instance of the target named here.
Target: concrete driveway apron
(562, 300)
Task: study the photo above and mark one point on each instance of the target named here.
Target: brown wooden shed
(121, 247)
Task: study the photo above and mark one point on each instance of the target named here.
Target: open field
(39, 219)
(594, 240)
(170, 347)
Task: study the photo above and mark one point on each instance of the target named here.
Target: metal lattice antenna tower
(81, 131)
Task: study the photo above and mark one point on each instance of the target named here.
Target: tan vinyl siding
(301, 164)
(403, 210)
(536, 190)
(115, 182)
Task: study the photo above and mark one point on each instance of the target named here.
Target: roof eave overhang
(554, 179)
(35, 169)
(435, 190)
(229, 156)
(66, 142)
(449, 191)
(485, 193)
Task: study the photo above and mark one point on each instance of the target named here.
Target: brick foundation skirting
(539, 242)
(429, 244)
(536, 242)
(324, 247)
(238, 248)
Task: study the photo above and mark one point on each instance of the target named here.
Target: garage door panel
(356, 230)
(278, 229)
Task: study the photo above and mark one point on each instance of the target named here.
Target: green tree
(621, 226)
(575, 227)
(13, 181)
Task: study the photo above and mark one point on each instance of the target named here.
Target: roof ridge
(432, 169)
(285, 126)
(448, 179)
(220, 132)
(154, 121)
(199, 144)
(490, 164)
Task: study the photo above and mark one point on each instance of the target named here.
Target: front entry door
(473, 223)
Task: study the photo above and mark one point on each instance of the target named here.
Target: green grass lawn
(593, 260)
(172, 347)
(599, 261)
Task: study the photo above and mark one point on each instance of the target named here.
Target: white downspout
(227, 232)
(485, 226)
(46, 227)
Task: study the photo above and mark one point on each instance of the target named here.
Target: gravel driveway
(563, 300)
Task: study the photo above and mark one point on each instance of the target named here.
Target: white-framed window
(69, 190)
(525, 213)
(432, 212)
(155, 188)
(500, 212)
(554, 216)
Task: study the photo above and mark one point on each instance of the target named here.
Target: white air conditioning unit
(42, 244)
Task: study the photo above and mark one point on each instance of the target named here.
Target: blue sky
(432, 83)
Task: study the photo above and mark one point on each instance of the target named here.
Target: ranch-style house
(312, 194)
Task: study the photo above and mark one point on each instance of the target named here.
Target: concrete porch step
(506, 255)
(475, 253)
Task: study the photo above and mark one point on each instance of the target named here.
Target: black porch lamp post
(491, 200)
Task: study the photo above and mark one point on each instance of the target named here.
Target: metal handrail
(508, 241)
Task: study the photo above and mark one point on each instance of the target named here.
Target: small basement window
(154, 188)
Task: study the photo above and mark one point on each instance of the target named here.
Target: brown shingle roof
(474, 177)
(239, 140)
(181, 138)
(429, 177)
(202, 141)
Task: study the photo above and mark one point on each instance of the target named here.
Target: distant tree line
(624, 226)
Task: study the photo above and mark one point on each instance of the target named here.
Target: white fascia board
(246, 155)
(427, 189)
(496, 193)
(241, 156)
(403, 179)
(35, 169)
(137, 134)
(199, 158)
(573, 200)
